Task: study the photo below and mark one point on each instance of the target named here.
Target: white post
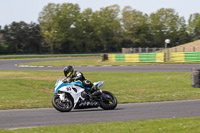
(167, 41)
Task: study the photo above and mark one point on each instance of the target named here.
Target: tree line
(64, 28)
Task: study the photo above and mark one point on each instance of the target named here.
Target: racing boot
(96, 91)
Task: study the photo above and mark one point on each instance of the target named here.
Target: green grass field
(34, 89)
(172, 125)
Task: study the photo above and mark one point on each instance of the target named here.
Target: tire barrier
(195, 77)
(154, 57)
(144, 57)
(185, 57)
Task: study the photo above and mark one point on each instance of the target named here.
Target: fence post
(193, 49)
(154, 50)
(166, 55)
(147, 50)
(124, 50)
(131, 50)
(140, 50)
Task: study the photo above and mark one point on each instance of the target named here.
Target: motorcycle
(73, 95)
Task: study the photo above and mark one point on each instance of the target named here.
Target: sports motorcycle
(73, 95)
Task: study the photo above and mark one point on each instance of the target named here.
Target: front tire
(109, 101)
(61, 106)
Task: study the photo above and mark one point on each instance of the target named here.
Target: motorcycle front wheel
(109, 101)
(62, 106)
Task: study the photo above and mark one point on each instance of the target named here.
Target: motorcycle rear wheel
(61, 106)
(109, 101)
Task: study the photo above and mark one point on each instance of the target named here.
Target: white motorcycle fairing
(74, 89)
(74, 95)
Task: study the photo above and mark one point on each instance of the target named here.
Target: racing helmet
(68, 70)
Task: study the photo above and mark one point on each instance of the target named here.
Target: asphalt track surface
(11, 65)
(23, 118)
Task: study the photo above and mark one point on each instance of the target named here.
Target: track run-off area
(12, 65)
(23, 118)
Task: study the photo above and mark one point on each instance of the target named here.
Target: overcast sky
(28, 10)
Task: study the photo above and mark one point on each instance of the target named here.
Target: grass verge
(96, 62)
(172, 125)
(34, 89)
(45, 56)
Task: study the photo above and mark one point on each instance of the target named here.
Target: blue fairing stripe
(80, 85)
(73, 83)
(63, 84)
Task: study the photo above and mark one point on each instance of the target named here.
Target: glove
(68, 80)
(71, 80)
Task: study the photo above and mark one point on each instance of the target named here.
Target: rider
(72, 75)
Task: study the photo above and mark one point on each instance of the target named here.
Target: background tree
(66, 24)
(3, 46)
(63, 28)
(21, 37)
(47, 25)
(165, 23)
(85, 31)
(56, 22)
(136, 27)
(107, 29)
(15, 36)
(194, 26)
(33, 42)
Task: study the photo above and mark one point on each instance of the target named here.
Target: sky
(28, 10)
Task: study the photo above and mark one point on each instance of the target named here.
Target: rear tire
(61, 106)
(109, 101)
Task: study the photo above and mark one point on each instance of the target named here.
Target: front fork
(62, 97)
